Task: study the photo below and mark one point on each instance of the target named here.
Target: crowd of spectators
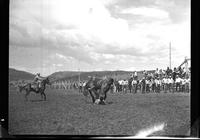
(176, 80)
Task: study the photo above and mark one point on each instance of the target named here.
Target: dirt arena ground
(67, 112)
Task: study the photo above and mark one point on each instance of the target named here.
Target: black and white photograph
(100, 68)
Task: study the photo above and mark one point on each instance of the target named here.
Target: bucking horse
(31, 87)
(97, 88)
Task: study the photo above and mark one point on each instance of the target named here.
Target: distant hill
(84, 75)
(15, 75)
(74, 75)
(62, 74)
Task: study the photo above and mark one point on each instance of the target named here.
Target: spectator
(143, 85)
(178, 83)
(167, 71)
(135, 75)
(147, 81)
(171, 81)
(145, 74)
(164, 81)
(174, 73)
(160, 73)
(156, 72)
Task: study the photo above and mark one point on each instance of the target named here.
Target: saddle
(33, 85)
(36, 85)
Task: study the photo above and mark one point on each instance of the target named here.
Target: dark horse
(98, 88)
(30, 87)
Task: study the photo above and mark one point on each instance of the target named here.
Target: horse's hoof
(102, 103)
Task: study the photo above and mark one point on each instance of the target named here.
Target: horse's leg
(136, 87)
(86, 94)
(44, 95)
(27, 93)
(102, 97)
(130, 89)
(86, 97)
(45, 98)
(93, 99)
(96, 94)
(105, 96)
(41, 95)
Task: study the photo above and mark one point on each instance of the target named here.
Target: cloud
(61, 56)
(98, 25)
(147, 12)
(100, 33)
(57, 65)
(131, 3)
(108, 56)
(178, 10)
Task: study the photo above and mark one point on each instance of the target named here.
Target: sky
(48, 36)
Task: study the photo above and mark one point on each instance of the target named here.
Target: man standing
(170, 84)
(125, 85)
(164, 84)
(153, 85)
(147, 85)
(187, 82)
(135, 75)
(134, 85)
(159, 84)
(156, 72)
(145, 74)
(167, 71)
(174, 73)
(178, 83)
(143, 85)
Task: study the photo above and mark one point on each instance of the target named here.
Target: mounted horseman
(37, 86)
(37, 80)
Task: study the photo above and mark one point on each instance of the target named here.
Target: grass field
(68, 113)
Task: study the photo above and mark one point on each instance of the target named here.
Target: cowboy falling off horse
(97, 88)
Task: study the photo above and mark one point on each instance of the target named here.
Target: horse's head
(110, 81)
(47, 81)
(19, 88)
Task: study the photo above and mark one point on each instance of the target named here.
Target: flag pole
(79, 72)
(170, 55)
